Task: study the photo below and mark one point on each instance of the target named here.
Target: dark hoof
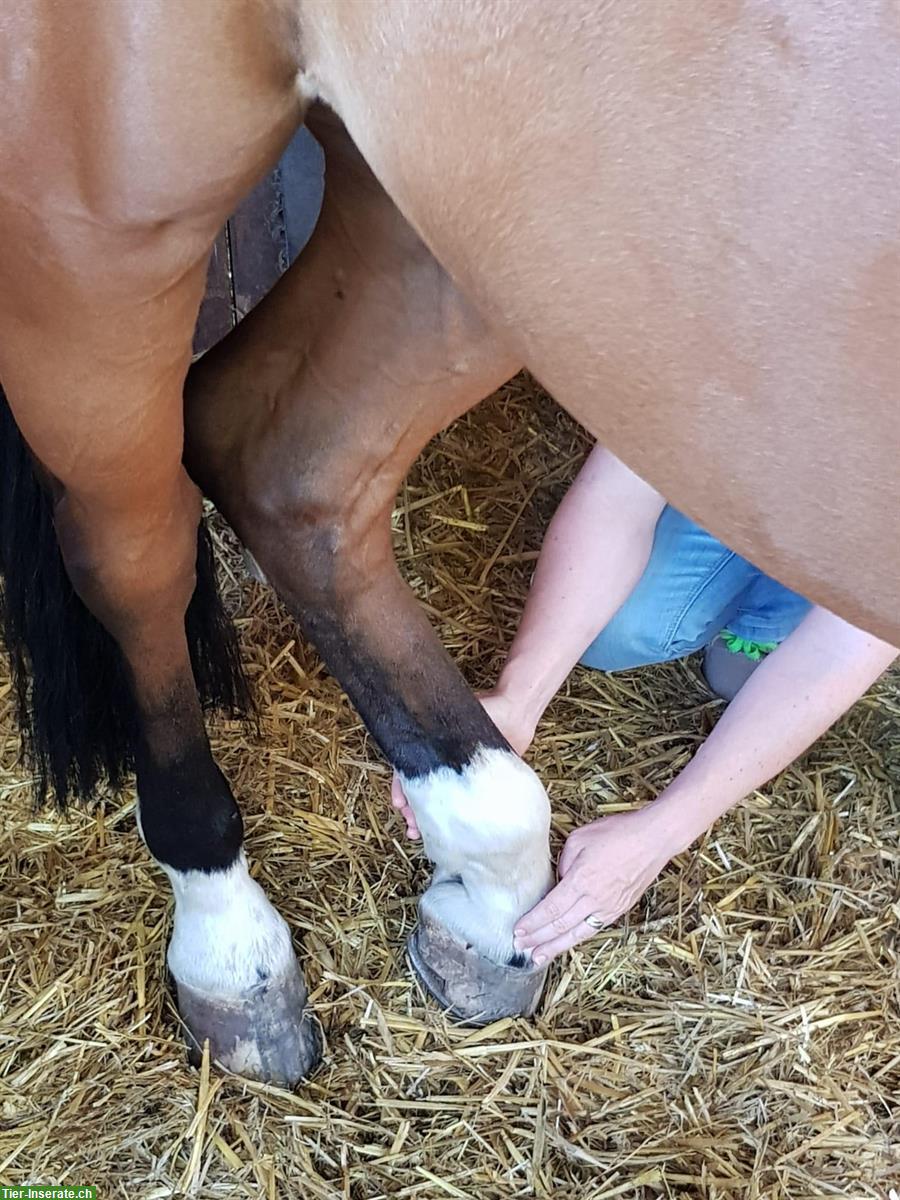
(465, 983)
(266, 1034)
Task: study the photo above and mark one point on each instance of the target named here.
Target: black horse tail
(72, 698)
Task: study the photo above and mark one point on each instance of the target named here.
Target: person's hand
(509, 718)
(514, 726)
(604, 869)
(402, 805)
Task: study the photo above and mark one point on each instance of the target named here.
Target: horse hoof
(469, 986)
(266, 1034)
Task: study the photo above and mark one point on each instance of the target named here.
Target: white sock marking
(227, 937)
(489, 825)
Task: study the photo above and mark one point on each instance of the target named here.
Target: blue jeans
(692, 588)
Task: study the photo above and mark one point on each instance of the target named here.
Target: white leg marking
(227, 937)
(487, 831)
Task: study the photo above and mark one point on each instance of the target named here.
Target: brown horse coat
(684, 219)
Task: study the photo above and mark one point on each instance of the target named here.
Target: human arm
(789, 701)
(595, 550)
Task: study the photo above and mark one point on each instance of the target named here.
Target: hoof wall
(265, 1034)
(465, 983)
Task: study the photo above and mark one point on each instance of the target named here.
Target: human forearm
(594, 552)
(791, 699)
(804, 686)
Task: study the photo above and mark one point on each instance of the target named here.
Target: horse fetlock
(187, 814)
(486, 828)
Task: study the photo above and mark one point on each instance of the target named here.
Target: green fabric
(752, 650)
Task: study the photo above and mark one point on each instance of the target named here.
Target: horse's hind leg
(94, 378)
(301, 426)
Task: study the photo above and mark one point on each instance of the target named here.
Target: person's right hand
(517, 730)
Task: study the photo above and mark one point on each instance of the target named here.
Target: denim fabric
(692, 588)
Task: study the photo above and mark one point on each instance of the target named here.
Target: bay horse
(683, 219)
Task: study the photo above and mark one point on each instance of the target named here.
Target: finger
(552, 908)
(547, 950)
(412, 825)
(412, 829)
(400, 802)
(398, 796)
(570, 852)
(559, 926)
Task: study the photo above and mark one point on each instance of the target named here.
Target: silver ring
(595, 921)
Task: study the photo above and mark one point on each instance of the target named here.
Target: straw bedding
(736, 1037)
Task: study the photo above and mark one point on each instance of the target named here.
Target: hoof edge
(268, 1034)
(470, 987)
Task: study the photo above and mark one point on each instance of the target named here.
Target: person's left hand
(604, 869)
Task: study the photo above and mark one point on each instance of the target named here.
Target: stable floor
(736, 1037)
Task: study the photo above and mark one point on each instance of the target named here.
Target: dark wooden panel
(258, 244)
(265, 234)
(217, 310)
(302, 170)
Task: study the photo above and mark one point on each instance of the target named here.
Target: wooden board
(216, 311)
(261, 239)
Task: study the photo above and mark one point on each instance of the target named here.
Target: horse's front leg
(301, 426)
(94, 378)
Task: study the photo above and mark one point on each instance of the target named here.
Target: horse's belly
(686, 220)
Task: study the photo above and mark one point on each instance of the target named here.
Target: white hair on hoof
(227, 936)
(486, 828)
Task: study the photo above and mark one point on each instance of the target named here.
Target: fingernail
(518, 933)
(539, 959)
